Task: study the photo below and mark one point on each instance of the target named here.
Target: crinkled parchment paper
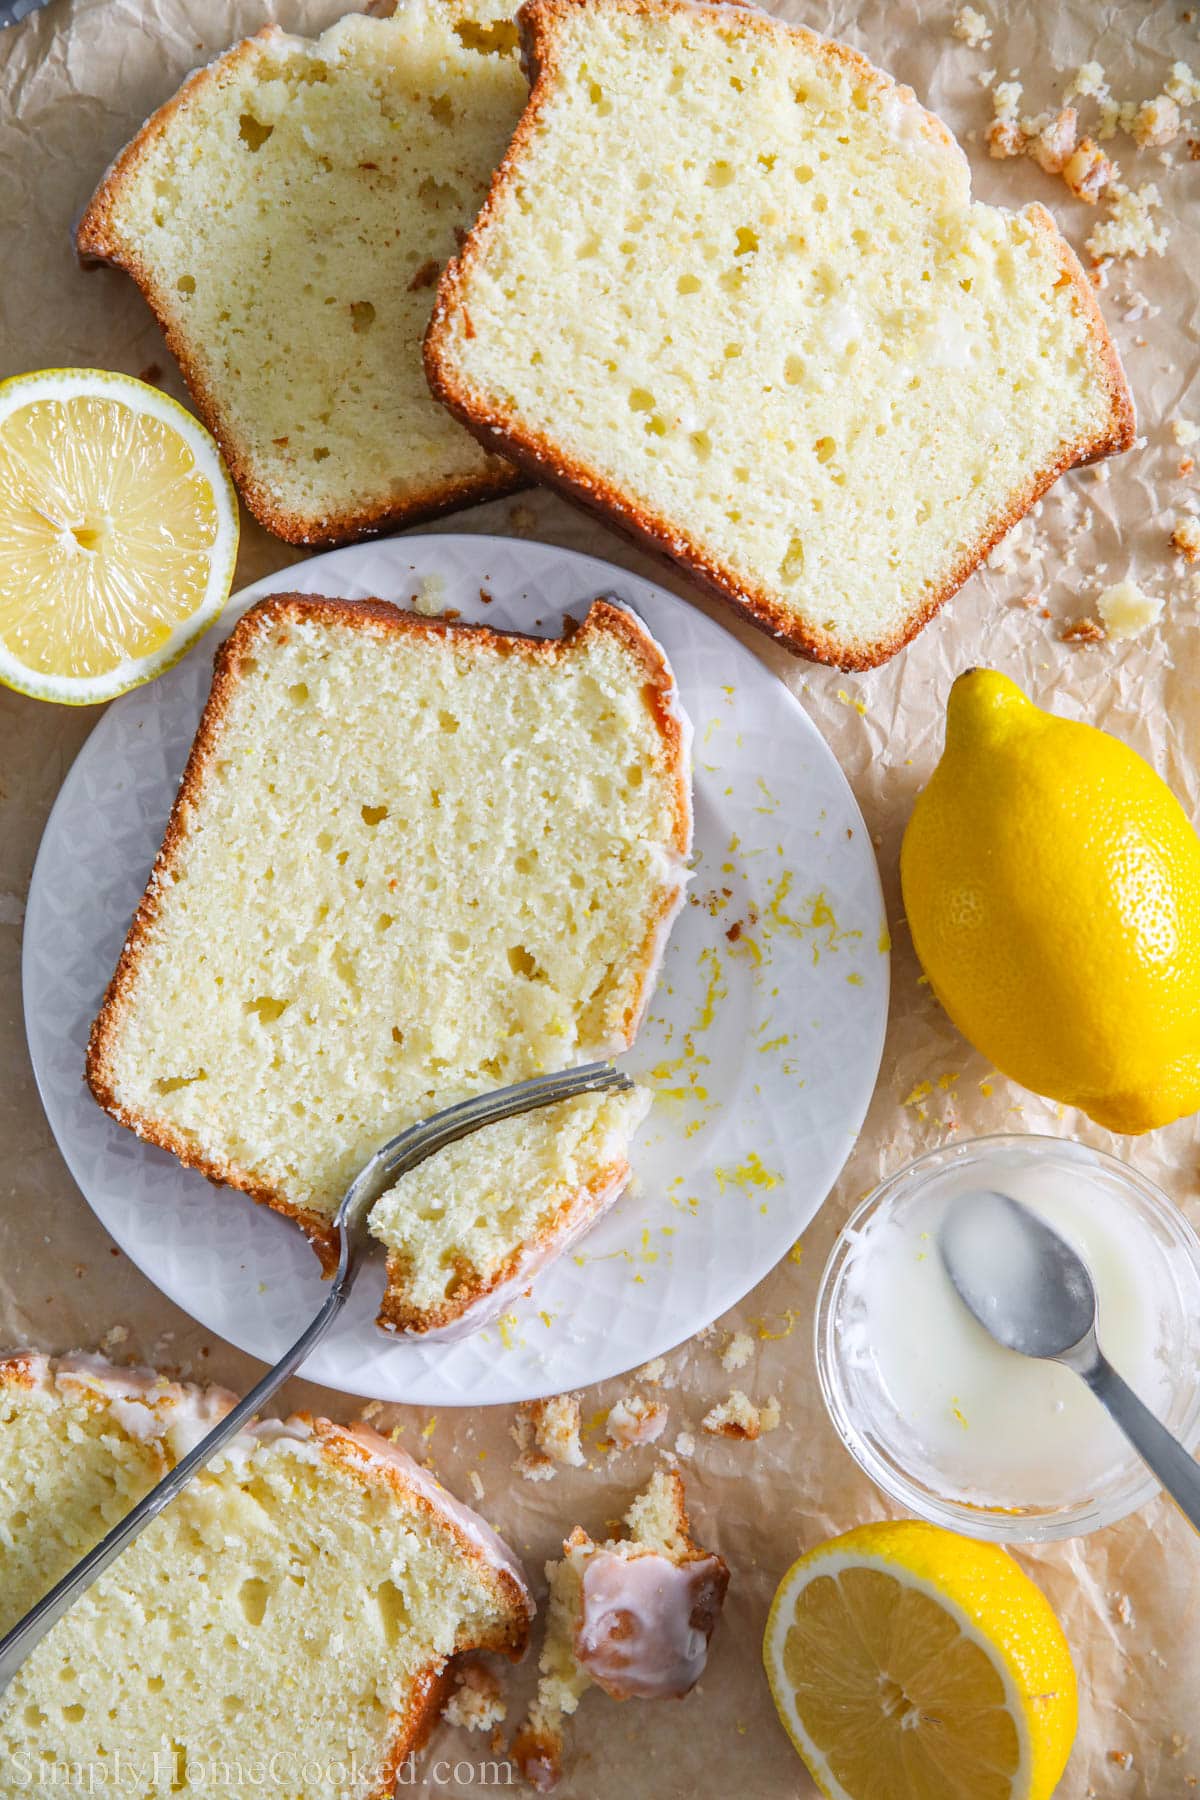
(75, 81)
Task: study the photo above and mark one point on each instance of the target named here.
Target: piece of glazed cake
(299, 1606)
(632, 1616)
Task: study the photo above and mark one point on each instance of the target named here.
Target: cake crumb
(546, 1433)
(1084, 631)
(1089, 82)
(1186, 537)
(1004, 139)
(1006, 101)
(430, 596)
(654, 1371)
(635, 1420)
(736, 1417)
(737, 1352)
(1183, 85)
(116, 1334)
(476, 1484)
(1053, 146)
(476, 1703)
(685, 1444)
(1130, 228)
(972, 27)
(769, 1414)
(1184, 431)
(1088, 172)
(1156, 122)
(1116, 115)
(1126, 610)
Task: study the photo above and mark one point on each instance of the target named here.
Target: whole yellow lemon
(1052, 885)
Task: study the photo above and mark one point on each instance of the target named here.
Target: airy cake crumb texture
(737, 1352)
(1133, 226)
(287, 216)
(477, 1703)
(456, 1225)
(787, 347)
(410, 862)
(546, 1433)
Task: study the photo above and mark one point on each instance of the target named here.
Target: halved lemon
(908, 1663)
(118, 533)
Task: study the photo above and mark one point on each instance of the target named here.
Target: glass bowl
(1154, 1236)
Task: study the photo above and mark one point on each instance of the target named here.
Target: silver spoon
(1030, 1290)
(350, 1222)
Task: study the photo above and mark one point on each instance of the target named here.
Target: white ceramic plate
(763, 1046)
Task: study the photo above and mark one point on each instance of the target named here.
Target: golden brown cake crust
(537, 452)
(18, 1370)
(97, 240)
(383, 617)
(578, 1209)
(368, 1456)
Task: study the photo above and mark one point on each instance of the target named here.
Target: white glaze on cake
(645, 1622)
(147, 1406)
(476, 1530)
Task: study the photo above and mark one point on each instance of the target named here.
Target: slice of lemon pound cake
(729, 287)
(294, 1611)
(409, 862)
(468, 1230)
(633, 1616)
(286, 216)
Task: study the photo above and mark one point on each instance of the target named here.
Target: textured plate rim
(601, 576)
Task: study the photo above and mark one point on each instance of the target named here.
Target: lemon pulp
(908, 1663)
(889, 1707)
(118, 533)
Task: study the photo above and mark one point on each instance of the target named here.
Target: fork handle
(22, 1639)
(400, 1154)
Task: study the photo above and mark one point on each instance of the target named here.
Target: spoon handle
(1175, 1467)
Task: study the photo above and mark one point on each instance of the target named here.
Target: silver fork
(350, 1222)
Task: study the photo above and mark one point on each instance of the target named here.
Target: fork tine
(413, 1146)
(424, 1140)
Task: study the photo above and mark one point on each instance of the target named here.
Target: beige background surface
(74, 82)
